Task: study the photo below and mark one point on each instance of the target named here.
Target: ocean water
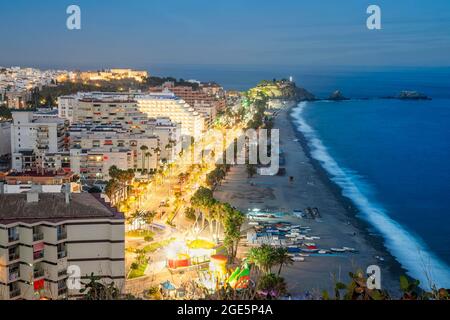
(391, 158)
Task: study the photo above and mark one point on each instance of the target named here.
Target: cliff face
(304, 95)
(282, 89)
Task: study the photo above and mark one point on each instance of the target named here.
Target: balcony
(13, 238)
(62, 235)
(38, 255)
(62, 254)
(38, 236)
(39, 273)
(13, 256)
(14, 293)
(14, 275)
(62, 273)
(62, 291)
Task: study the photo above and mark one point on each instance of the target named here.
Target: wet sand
(338, 227)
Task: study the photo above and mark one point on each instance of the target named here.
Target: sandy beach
(338, 226)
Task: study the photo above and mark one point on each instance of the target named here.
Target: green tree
(143, 151)
(251, 170)
(232, 221)
(95, 290)
(203, 201)
(272, 285)
(263, 257)
(282, 258)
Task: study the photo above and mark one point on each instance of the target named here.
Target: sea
(390, 157)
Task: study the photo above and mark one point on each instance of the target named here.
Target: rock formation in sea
(412, 95)
(337, 96)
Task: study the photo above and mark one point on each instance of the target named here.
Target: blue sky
(140, 33)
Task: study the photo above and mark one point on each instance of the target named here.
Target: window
(13, 234)
(62, 250)
(61, 232)
(13, 253)
(37, 233)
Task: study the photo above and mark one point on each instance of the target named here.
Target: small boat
(379, 258)
(349, 249)
(303, 255)
(297, 258)
(310, 244)
(290, 236)
(307, 250)
(322, 251)
(337, 249)
(253, 223)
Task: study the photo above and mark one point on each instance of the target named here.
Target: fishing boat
(297, 258)
(307, 250)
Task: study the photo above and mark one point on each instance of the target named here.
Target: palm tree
(283, 258)
(232, 222)
(143, 149)
(251, 170)
(148, 155)
(96, 290)
(264, 257)
(111, 189)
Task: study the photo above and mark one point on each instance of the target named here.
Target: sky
(142, 33)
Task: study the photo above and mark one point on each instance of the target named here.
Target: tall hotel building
(133, 110)
(32, 135)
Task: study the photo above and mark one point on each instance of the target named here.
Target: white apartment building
(144, 148)
(166, 104)
(5, 138)
(33, 135)
(43, 234)
(169, 134)
(134, 110)
(102, 108)
(95, 164)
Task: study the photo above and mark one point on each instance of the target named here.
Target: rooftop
(52, 207)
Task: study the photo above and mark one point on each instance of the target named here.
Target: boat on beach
(309, 250)
(298, 258)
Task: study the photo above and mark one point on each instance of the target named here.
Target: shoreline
(312, 187)
(376, 240)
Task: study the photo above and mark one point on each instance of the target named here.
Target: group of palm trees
(266, 257)
(118, 184)
(218, 215)
(146, 156)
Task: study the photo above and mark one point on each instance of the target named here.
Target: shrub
(134, 266)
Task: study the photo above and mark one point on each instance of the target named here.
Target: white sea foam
(411, 252)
